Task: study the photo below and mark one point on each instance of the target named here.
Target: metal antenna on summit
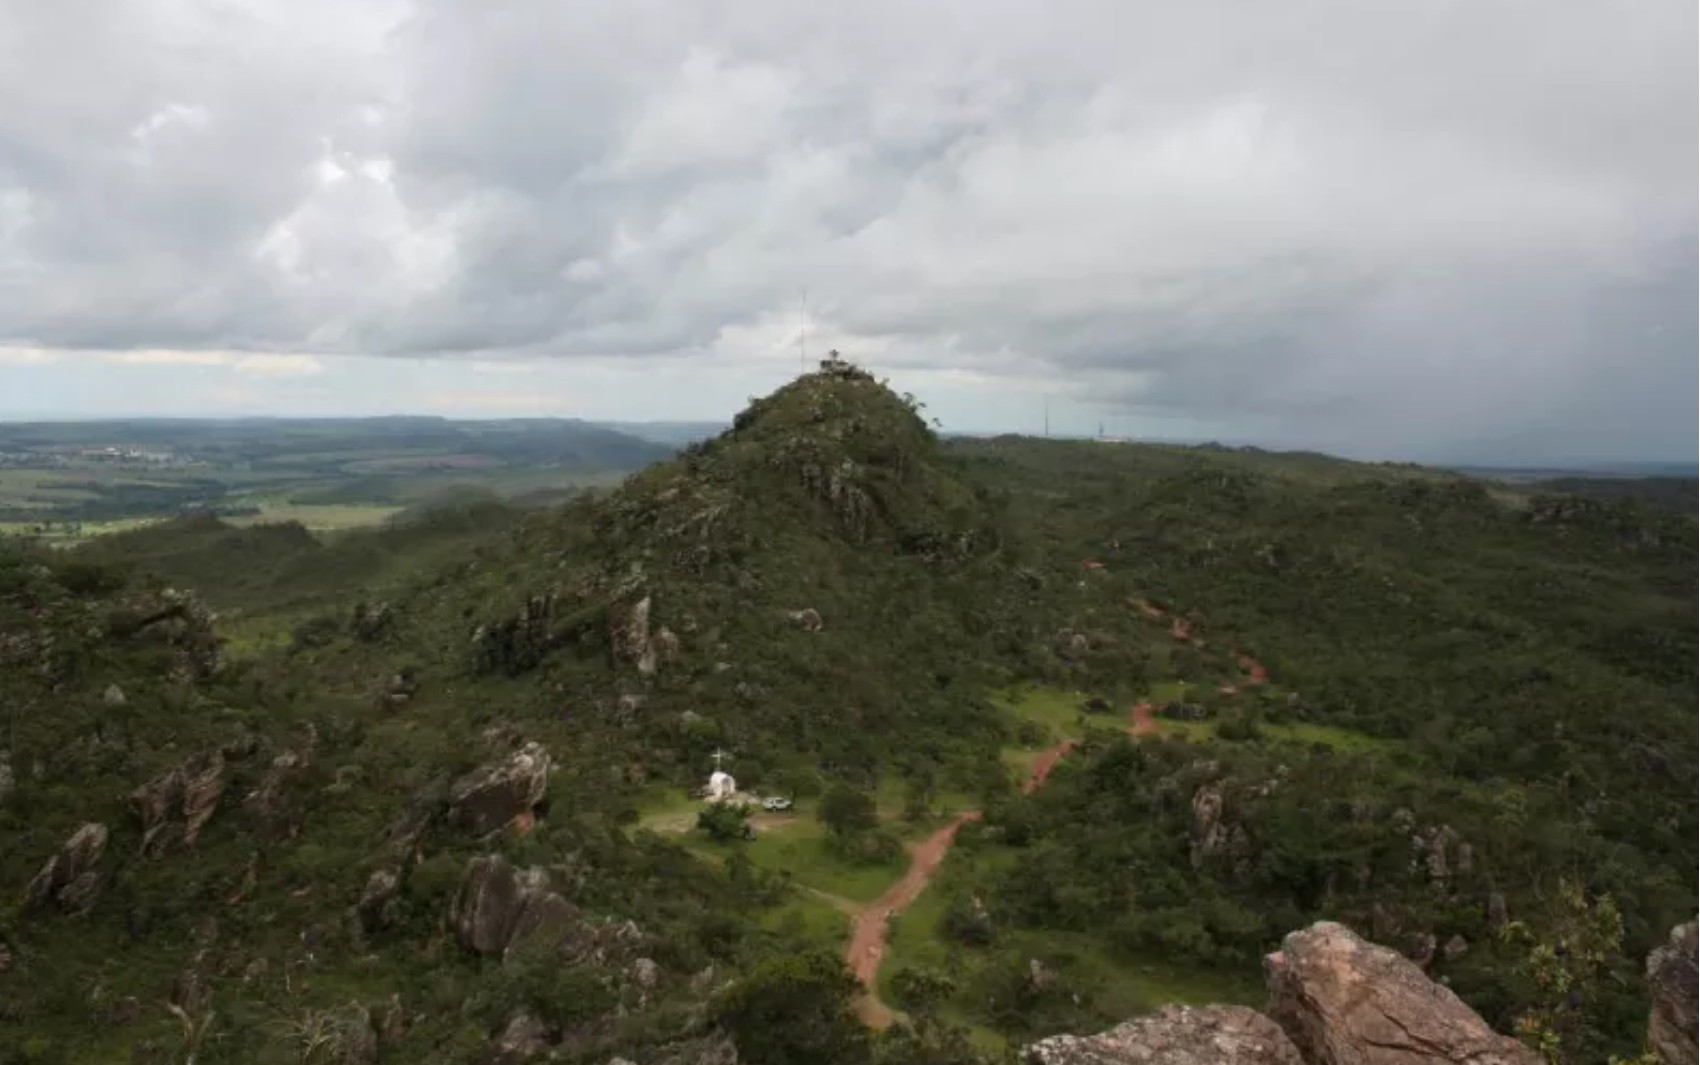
(803, 334)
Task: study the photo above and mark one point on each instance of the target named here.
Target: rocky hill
(422, 800)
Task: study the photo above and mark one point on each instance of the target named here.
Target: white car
(775, 804)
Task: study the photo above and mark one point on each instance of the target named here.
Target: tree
(794, 1010)
(724, 822)
(1569, 968)
(847, 812)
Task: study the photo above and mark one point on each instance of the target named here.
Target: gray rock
(8, 781)
(522, 1039)
(808, 619)
(1175, 1035)
(1456, 947)
(71, 878)
(1344, 1001)
(113, 696)
(376, 908)
(193, 787)
(629, 633)
(487, 799)
(1671, 981)
(1497, 914)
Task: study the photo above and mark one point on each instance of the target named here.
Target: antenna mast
(803, 335)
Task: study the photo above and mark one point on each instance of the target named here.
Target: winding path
(869, 929)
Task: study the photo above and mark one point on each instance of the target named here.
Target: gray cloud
(1362, 226)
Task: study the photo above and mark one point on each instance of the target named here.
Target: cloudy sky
(1425, 228)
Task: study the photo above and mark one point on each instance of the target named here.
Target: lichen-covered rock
(71, 878)
(1176, 1035)
(500, 907)
(376, 908)
(522, 1039)
(193, 787)
(487, 906)
(1671, 980)
(808, 619)
(628, 626)
(1345, 1001)
(203, 783)
(489, 797)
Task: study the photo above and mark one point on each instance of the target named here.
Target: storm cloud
(1381, 228)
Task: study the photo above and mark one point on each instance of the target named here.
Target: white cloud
(1227, 211)
(278, 365)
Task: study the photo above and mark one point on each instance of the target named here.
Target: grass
(795, 848)
(1121, 987)
(1300, 732)
(319, 517)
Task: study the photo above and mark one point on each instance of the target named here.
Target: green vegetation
(63, 484)
(1471, 701)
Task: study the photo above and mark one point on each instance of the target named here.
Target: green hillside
(843, 605)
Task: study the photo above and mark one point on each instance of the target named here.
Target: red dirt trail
(866, 948)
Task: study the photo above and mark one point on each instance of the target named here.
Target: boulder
(71, 878)
(499, 907)
(486, 799)
(193, 787)
(629, 632)
(808, 619)
(1671, 982)
(523, 1038)
(1345, 1001)
(376, 908)
(1175, 1035)
(487, 906)
(203, 784)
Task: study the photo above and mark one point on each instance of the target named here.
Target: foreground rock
(71, 878)
(1345, 1001)
(1671, 981)
(488, 798)
(1176, 1035)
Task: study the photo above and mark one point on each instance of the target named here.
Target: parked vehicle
(776, 804)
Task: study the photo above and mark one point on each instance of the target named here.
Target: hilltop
(426, 787)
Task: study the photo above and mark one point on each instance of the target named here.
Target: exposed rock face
(629, 632)
(1344, 1001)
(194, 787)
(500, 906)
(71, 878)
(522, 1039)
(1213, 832)
(489, 797)
(1671, 980)
(376, 908)
(708, 1050)
(1176, 1035)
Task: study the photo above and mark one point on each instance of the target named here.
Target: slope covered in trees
(411, 815)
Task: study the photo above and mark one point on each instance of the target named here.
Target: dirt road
(868, 931)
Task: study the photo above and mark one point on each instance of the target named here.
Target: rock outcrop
(499, 906)
(628, 630)
(193, 787)
(1176, 1035)
(1671, 981)
(71, 878)
(1345, 1001)
(488, 798)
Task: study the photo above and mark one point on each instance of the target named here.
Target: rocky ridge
(1337, 999)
